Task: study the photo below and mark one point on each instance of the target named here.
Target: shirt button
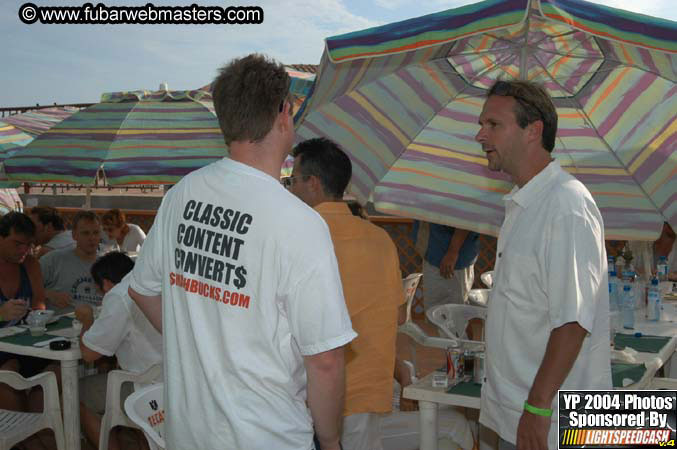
(500, 254)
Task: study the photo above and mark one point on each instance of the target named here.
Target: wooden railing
(11, 110)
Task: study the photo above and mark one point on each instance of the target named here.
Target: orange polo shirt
(372, 286)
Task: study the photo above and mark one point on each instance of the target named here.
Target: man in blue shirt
(449, 256)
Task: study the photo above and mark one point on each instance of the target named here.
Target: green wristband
(545, 412)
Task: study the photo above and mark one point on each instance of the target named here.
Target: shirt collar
(525, 195)
(333, 208)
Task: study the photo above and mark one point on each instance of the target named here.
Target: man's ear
(535, 131)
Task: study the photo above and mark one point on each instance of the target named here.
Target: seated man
(66, 275)
(50, 230)
(372, 284)
(20, 289)
(121, 330)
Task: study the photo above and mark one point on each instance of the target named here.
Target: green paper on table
(620, 371)
(25, 338)
(466, 388)
(644, 344)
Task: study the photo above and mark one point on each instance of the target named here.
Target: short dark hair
(85, 215)
(112, 266)
(19, 222)
(248, 95)
(324, 159)
(48, 215)
(532, 103)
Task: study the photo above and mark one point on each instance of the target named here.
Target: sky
(46, 64)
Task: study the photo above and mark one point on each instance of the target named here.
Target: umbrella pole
(88, 198)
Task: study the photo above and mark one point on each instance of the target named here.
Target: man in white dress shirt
(548, 321)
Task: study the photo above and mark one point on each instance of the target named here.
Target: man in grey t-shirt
(66, 273)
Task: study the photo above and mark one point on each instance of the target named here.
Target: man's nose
(480, 136)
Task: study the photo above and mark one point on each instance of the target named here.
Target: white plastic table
(69, 381)
(430, 398)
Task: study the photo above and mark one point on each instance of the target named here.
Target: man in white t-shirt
(548, 320)
(242, 279)
(120, 329)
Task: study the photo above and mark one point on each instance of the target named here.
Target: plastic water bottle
(628, 307)
(655, 302)
(662, 268)
(613, 292)
(629, 277)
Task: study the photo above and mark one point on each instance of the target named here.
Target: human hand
(60, 299)
(13, 309)
(532, 432)
(447, 264)
(407, 404)
(84, 313)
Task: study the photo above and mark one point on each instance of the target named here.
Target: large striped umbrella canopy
(7, 150)
(404, 99)
(38, 121)
(18, 130)
(138, 137)
(13, 136)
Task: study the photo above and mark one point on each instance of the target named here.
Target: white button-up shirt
(551, 269)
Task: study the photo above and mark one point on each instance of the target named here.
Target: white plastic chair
(146, 408)
(413, 330)
(452, 321)
(479, 297)
(488, 278)
(17, 426)
(663, 384)
(114, 414)
(409, 284)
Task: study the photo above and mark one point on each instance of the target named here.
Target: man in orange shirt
(372, 286)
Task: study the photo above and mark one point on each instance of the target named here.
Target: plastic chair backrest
(488, 278)
(452, 320)
(145, 408)
(479, 297)
(409, 284)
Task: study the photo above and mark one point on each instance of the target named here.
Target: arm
(326, 391)
(60, 299)
(12, 310)
(85, 315)
(449, 259)
(35, 277)
(560, 354)
(151, 306)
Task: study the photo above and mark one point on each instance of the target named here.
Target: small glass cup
(37, 330)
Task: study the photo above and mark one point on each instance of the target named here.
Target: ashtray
(60, 345)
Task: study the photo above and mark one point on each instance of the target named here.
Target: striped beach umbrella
(11, 136)
(138, 137)
(38, 121)
(403, 100)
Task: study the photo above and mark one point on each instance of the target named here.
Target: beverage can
(455, 364)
